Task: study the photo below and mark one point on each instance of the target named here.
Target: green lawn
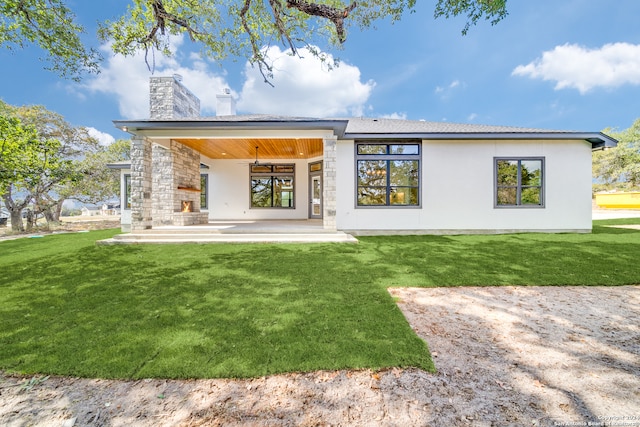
(69, 307)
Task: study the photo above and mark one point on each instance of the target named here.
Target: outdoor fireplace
(188, 211)
(187, 206)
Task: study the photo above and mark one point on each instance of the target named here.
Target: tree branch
(162, 17)
(333, 14)
(276, 7)
(255, 49)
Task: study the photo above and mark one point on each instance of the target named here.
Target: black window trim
(388, 157)
(271, 175)
(519, 159)
(206, 191)
(125, 197)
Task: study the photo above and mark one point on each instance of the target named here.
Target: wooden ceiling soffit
(245, 148)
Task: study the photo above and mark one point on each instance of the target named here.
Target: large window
(388, 174)
(519, 182)
(272, 186)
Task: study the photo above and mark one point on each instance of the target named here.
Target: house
(90, 211)
(358, 175)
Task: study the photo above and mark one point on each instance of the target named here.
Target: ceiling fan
(254, 163)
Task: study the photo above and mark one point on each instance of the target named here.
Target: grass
(69, 307)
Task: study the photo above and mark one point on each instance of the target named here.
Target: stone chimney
(170, 99)
(225, 104)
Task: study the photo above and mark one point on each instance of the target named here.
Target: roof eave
(131, 126)
(598, 140)
(119, 165)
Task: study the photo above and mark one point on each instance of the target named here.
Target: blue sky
(551, 64)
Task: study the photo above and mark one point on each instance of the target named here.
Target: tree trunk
(16, 220)
(58, 210)
(52, 212)
(15, 210)
(30, 220)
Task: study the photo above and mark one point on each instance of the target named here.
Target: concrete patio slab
(301, 231)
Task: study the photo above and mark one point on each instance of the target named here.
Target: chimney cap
(226, 91)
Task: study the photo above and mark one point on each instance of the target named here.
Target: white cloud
(102, 137)
(574, 66)
(472, 117)
(304, 87)
(127, 79)
(446, 91)
(395, 116)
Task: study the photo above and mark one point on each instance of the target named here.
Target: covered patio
(166, 159)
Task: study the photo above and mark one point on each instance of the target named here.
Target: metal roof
(381, 125)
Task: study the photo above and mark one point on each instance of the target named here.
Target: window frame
(126, 191)
(388, 157)
(519, 187)
(272, 174)
(204, 191)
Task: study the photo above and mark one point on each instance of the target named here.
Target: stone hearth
(190, 218)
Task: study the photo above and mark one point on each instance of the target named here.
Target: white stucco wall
(457, 191)
(229, 191)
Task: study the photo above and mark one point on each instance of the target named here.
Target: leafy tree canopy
(223, 28)
(619, 167)
(45, 160)
(18, 145)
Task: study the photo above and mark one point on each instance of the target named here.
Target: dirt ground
(506, 356)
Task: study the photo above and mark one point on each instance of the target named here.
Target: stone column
(163, 186)
(329, 183)
(141, 216)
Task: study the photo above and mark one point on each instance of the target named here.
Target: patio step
(244, 237)
(212, 230)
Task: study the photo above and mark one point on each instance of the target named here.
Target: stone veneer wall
(141, 184)
(157, 171)
(177, 166)
(169, 99)
(163, 186)
(186, 174)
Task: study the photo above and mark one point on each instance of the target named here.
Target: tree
(73, 144)
(44, 161)
(75, 166)
(52, 26)
(28, 166)
(619, 168)
(98, 183)
(223, 28)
